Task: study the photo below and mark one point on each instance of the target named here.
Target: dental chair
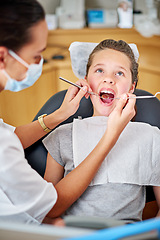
(148, 111)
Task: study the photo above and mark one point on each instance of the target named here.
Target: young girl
(118, 189)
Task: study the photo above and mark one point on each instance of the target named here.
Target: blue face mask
(33, 73)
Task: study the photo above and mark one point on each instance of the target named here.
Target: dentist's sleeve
(6, 126)
(24, 195)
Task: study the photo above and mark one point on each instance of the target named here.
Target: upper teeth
(105, 91)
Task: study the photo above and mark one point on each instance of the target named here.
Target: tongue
(107, 97)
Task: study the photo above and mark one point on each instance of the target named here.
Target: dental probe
(76, 85)
(142, 97)
(92, 93)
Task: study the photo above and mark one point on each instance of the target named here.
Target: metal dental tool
(142, 97)
(138, 97)
(76, 85)
(92, 93)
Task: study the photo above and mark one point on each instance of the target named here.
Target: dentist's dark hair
(16, 19)
(120, 46)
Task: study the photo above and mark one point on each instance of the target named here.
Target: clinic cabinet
(21, 107)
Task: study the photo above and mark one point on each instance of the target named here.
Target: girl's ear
(3, 54)
(132, 88)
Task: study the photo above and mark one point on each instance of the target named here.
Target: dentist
(24, 195)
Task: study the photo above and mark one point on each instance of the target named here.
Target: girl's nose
(109, 81)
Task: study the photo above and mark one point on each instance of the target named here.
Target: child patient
(118, 189)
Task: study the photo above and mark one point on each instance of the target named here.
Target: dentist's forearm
(32, 132)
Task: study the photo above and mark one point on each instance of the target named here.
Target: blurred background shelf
(24, 105)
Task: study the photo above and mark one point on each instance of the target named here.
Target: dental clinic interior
(71, 21)
(87, 21)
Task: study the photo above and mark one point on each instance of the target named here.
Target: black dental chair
(148, 111)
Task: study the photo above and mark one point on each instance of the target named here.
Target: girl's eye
(99, 70)
(120, 73)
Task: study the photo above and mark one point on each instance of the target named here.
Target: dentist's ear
(3, 54)
(132, 88)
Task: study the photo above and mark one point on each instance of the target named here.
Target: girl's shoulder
(143, 125)
(144, 129)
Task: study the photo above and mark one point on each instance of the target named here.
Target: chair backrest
(148, 111)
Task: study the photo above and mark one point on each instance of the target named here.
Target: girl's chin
(102, 113)
(102, 109)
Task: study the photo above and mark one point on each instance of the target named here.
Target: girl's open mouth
(106, 96)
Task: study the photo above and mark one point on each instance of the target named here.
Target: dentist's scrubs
(24, 195)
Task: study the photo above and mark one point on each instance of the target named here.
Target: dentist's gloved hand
(123, 112)
(73, 97)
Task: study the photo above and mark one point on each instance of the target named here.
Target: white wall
(50, 5)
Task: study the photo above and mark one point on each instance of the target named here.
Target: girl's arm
(157, 195)
(32, 132)
(71, 187)
(54, 171)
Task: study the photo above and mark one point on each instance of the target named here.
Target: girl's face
(30, 53)
(110, 76)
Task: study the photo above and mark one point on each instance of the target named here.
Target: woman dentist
(24, 195)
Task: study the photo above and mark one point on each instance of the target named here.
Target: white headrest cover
(80, 51)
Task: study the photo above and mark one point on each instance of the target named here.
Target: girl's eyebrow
(99, 64)
(123, 68)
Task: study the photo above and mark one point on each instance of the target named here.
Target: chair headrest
(80, 51)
